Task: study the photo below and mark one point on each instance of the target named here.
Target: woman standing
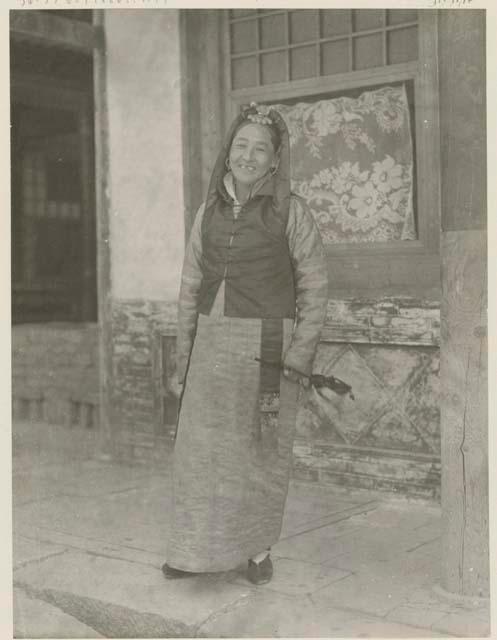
(253, 297)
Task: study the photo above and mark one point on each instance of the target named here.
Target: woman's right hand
(175, 385)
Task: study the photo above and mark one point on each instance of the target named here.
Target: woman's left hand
(291, 374)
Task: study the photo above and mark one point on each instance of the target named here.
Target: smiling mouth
(245, 167)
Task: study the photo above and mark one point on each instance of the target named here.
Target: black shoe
(260, 572)
(174, 574)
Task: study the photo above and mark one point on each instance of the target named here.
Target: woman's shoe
(174, 574)
(260, 572)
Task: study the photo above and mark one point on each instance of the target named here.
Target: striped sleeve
(191, 278)
(311, 284)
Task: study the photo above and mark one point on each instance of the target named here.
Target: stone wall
(55, 373)
(140, 331)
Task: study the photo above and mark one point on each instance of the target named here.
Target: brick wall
(55, 373)
(140, 331)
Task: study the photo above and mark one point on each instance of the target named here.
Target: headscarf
(280, 180)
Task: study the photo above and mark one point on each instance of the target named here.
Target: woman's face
(252, 154)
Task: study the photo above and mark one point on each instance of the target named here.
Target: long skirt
(233, 451)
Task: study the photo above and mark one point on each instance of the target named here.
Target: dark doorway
(53, 193)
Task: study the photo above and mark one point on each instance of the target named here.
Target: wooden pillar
(190, 33)
(464, 420)
(211, 88)
(102, 205)
(202, 61)
(88, 277)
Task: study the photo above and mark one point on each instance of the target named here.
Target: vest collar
(263, 187)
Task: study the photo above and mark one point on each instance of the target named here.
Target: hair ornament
(261, 115)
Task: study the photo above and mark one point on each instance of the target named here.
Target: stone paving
(89, 540)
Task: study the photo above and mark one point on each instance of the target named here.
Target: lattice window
(272, 46)
(49, 187)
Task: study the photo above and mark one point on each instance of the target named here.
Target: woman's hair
(265, 122)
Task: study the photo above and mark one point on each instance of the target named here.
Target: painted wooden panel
(364, 276)
(388, 437)
(396, 399)
(367, 468)
(392, 320)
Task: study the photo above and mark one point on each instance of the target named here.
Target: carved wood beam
(46, 29)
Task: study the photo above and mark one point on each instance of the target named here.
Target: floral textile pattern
(352, 161)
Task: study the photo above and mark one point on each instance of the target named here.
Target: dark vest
(251, 254)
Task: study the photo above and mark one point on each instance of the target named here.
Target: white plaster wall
(145, 153)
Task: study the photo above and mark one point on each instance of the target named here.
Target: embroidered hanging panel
(352, 161)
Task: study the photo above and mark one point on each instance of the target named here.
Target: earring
(275, 167)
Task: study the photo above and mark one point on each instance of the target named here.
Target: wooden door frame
(42, 27)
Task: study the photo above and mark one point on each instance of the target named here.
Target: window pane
(403, 45)
(335, 22)
(63, 180)
(368, 51)
(303, 62)
(304, 26)
(58, 249)
(243, 36)
(243, 72)
(273, 67)
(398, 16)
(33, 185)
(367, 19)
(335, 57)
(273, 31)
